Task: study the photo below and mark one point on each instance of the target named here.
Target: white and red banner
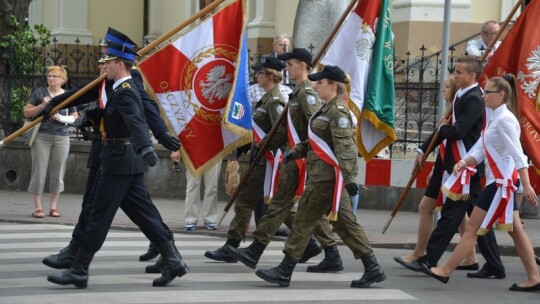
(200, 82)
(364, 49)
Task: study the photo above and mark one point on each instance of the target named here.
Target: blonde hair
(341, 87)
(60, 70)
(277, 77)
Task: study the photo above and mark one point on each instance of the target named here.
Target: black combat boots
(373, 272)
(156, 267)
(330, 263)
(280, 275)
(312, 250)
(173, 266)
(249, 256)
(222, 254)
(64, 258)
(153, 252)
(77, 274)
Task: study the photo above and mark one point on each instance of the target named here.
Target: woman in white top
(501, 150)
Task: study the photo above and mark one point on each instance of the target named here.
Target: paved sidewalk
(18, 206)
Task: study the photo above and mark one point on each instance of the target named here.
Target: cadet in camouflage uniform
(265, 115)
(329, 131)
(303, 103)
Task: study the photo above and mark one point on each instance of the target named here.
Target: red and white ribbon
(271, 175)
(325, 153)
(500, 212)
(293, 139)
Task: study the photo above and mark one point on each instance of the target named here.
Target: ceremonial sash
(271, 175)
(102, 103)
(457, 187)
(441, 197)
(325, 153)
(500, 212)
(293, 139)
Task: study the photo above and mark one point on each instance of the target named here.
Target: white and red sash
(271, 175)
(456, 187)
(293, 139)
(102, 103)
(102, 96)
(500, 212)
(325, 153)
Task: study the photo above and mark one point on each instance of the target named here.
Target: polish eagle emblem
(218, 84)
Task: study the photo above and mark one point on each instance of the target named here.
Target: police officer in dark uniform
(92, 117)
(126, 154)
(303, 103)
(331, 155)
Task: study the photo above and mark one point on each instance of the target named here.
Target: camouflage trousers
(281, 210)
(315, 203)
(245, 202)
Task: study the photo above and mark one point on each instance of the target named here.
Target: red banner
(519, 54)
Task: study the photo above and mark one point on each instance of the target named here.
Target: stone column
(70, 21)
(314, 21)
(155, 26)
(260, 26)
(262, 23)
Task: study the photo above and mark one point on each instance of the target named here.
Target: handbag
(232, 176)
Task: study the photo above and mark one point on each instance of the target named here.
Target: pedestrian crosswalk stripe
(116, 275)
(218, 296)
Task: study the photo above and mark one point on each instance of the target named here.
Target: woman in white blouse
(501, 150)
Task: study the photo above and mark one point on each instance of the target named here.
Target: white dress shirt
(477, 47)
(502, 133)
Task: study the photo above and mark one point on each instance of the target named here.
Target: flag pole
(252, 165)
(434, 139)
(98, 80)
(58, 107)
(282, 116)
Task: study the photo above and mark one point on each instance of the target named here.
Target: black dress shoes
(534, 288)
(487, 274)
(430, 273)
(474, 266)
(414, 265)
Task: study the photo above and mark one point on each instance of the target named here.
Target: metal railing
(416, 86)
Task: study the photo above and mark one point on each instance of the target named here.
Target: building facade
(415, 22)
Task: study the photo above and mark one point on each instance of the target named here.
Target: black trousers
(452, 214)
(90, 190)
(129, 193)
(88, 198)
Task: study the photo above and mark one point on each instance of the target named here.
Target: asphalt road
(116, 275)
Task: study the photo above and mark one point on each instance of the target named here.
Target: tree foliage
(19, 49)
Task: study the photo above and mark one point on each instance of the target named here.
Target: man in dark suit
(65, 257)
(465, 126)
(127, 152)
